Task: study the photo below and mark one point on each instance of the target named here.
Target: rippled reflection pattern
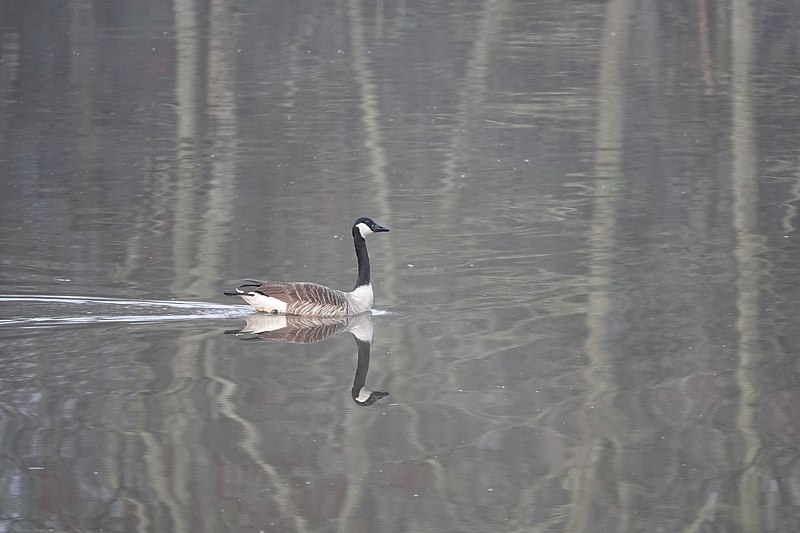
(586, 317)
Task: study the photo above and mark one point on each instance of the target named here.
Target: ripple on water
(23, 310)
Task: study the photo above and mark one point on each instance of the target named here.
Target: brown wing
(306, 299)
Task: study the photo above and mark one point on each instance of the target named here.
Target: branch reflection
(307, 330)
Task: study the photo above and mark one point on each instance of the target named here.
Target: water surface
(587, 305)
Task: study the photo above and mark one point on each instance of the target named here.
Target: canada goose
(306, 330)
(310, 299)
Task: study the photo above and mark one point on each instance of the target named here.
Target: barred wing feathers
(306, 298)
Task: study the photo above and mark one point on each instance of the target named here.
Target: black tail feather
(247, 286)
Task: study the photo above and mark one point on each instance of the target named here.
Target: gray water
(586, 311)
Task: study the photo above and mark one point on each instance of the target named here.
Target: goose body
(303, 298)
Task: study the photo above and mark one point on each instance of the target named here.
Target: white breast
(360, 299)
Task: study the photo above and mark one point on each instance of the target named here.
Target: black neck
(361, 369)
(361, 377)
(363, 259)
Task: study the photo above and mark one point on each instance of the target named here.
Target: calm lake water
(587, 310)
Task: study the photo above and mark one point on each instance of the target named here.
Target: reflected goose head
(367, 397)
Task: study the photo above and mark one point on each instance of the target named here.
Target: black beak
(377, 228)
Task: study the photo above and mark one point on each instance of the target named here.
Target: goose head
(365, 226)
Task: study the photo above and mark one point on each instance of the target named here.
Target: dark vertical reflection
(82, 32)
(9, 67)
(704, 38)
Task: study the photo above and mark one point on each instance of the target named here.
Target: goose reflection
(309, 329)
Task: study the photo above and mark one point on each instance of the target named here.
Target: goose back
(299, 298)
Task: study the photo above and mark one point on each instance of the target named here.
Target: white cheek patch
(363, 395)
(363, 229)
(267, 304)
